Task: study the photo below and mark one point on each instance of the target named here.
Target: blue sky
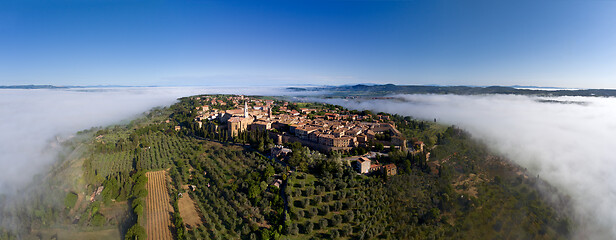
(563, 43)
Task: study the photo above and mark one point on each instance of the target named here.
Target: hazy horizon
(284, 86)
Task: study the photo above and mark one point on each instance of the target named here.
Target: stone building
(363, 165)
(235, 125)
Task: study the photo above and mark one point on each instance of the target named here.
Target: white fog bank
(31, 119)
(568, 141)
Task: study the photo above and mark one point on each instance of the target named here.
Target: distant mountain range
(62, 87)
(388, 89)
(30, 87)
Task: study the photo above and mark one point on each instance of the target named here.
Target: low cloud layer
(32, 119)
(568, 141)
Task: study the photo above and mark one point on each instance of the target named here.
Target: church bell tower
(246, 109)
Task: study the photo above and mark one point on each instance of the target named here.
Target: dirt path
(158, 208)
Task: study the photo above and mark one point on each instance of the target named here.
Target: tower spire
(245, 108)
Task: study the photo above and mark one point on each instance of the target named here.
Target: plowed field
(158, 208)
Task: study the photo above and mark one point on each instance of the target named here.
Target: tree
(179, 223)
(308, 227)
(379, 146)
(139, 193)
(294, 229)
(98, 220)
(349, 216)
(347, 230)
(253, 191)
(111, 189)
(137, 207)
(337, 220)
(322, 223)
(333, 234)
(95, 207)
(136, 232)
(269, 171)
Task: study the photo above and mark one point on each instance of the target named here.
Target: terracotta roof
(236, 119)
(328, 136)
(235, 111)
(390, 166)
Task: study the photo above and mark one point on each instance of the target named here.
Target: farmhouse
(363, 165)
(390, 169)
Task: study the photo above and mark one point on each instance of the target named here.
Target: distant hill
(66, 87)
(30, 87)
(388, 89)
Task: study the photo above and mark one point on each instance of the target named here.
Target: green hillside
(461, 191)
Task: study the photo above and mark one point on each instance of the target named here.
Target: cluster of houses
(326, 131)
(366, 166)
(96, 192)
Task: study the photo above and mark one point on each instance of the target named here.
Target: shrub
(70, 200)
(98, 220)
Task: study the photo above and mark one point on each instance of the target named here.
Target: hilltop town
(318, 127)
(322, 129)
